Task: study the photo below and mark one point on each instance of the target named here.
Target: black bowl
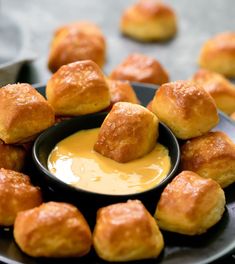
(89, 201)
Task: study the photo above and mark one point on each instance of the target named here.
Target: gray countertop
(198, 20)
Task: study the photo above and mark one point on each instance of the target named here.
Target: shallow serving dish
(217, 243)
(47, 141)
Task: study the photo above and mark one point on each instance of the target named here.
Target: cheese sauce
(74, 161)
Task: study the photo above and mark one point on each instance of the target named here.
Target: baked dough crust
(77, 41)
(218, 54)
(125, 232)
(53, 230)
(78, 88)
(211, 156)
(190, 204)
(140, 68)
(220, 88)
(128, 132)
(23, 113)
(16, 194)
(186, 108)
(121, 91)
(12, 157)
(149, 20)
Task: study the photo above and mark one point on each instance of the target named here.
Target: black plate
(218, 242)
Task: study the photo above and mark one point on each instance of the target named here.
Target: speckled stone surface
(197, 20)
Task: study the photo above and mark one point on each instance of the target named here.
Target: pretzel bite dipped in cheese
(128, 132)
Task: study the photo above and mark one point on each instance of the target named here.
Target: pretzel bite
(121, 91)
(218, 54)
(221, 89)
(128, 132)
(77, 41)
(12, 157)
(140, 68)
(149, 20)
(186, 108)
(78, 88)
(125, 232)
(211, 156)
(190, 204)
(52, 230)
(23, 113)
(16, 194)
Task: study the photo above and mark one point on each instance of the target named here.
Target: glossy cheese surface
(74, 161)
